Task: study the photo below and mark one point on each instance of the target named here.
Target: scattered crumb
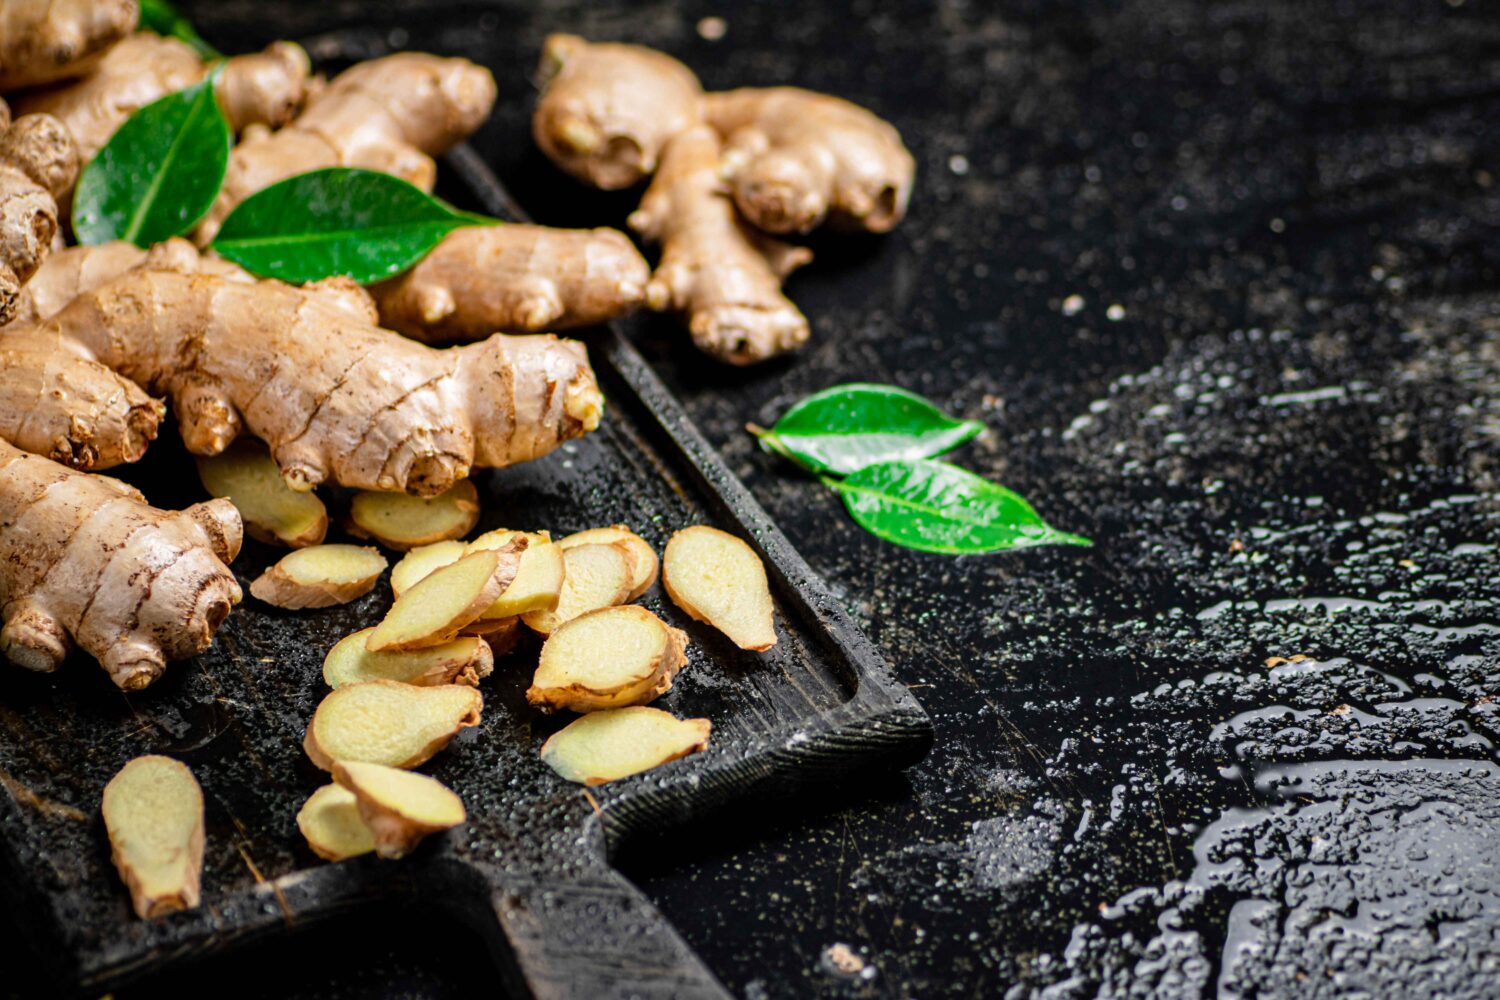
(841, 958)
(959, 164)
(712, 28)
(1072, 305)
(1235, 545)
(1115, 313)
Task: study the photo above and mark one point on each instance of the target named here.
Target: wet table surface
(1222, 281)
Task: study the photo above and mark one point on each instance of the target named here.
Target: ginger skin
(391, 114)
(37, 163)
(514, 278)
(607, 110)
(794, 158)
(46, 40)
(84, 560)
(721, 274)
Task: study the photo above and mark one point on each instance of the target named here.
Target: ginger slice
(422, 560)
(463, 661)
(387, 722)
(595, 576)
(399, 808)
(618, 742)
(718, 579)
(608, 658)
(434, 609)
(642, 554)
(273, 512)
(538, 582)
(331, 823)
(401, 521)
(153, 811)
(320, 576)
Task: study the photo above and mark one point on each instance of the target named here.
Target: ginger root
(46, 40)
(465, 660)
(274, 513)
(605, 746)
(718, 579)
(388, 722)
(38, 162)
(320, 576)
(595, 576)
(331, 824)
(153, 812)
(607, 110)
(643, 557)
(608, 658)
(84, 559)
(399, 808)
(724, 277)
(434, 609)
(402, 522)
(794, 157)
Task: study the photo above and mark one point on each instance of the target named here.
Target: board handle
(586, 933)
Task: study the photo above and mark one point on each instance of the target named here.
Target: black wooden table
(1224, 282)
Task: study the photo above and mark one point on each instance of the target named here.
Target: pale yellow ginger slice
(608, 658)
(643, 556)
(434, 609)
(153, 811)
(594, 577)
(421, 561)
(273, 512)
(398, 807)
(538, 582)
(320, 576)
(463, 661)
(387, 722)
(401, 521)
(331, 823)
(618, 742)
(718, 579)
(501, 634)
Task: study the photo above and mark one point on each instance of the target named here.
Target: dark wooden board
(530, 868)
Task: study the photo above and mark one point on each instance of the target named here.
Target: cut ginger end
(320, 576)
(399, 808)
(331, 824)
(153, 811)
(400, 521)
(718, 579)
(435, 608)
(272, 512)
(616, 743)
(595, 576)
(387, 722)
(608, 658)
(465, 660)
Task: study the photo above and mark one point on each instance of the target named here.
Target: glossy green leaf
(162, 18)
(848, 427)
(158, 174)
(937, 507)
(359, 223)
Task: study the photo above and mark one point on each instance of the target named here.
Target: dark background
(1222, 281)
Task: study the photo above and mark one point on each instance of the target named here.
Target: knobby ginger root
(437, 607)
(514, 279)
(84, 560)
(306, 371)
(422, 560)
(320, 576)
(46, 40)
(399, 808)
(643, 556)
(596, 576)
(332, 826)
(718, 579)
(539, 578)
(609, 658)
(794, 157)
(246, 476)
(723, 276)
(465, 660)
(388, 722)
(607, 109)
(616, 743)
(402, 522)
(391, 114)
(38, 163)
(153, 812)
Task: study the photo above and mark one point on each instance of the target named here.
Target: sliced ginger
(331, 822)
(399, 808)
(422, 560)
(401, 521)
(643, 556)
(320, 576)
(618, 742)
(539, 580)
(718, 579)
(608, 658)
(153, 811)
(387, 722)
(273, 512)
(434, 609)
(595, 576)
(463, 661)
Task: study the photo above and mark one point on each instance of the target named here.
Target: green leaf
(162, 18)
(848, 427)
(359, 223)
(937, 507)
(158, 174)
